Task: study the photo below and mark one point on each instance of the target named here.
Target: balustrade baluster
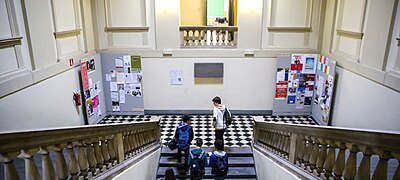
(203, 38)
(217, 38)
(382, 167)
(99, 157)
(105, 153)
(330, 159)
(350, 168)
(339, 164)
(230, 38)
(364, 169)
(129, 144)
(321, 157)
(61, 165)
(190, 37)
(83, 162)
(111, 150)
(196, 36)
(10, 172)
(72, 162)
(91, 159)
(307, 153)
(302, 148)
(47, 165)
(223, 33)
(31, 171)
(314, 155)
(287, 144)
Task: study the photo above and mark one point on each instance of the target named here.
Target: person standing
(219, 161)
(184, 135)
(218, 118)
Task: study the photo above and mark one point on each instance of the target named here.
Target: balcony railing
(208, 36)
(330, 152)
(80, 152)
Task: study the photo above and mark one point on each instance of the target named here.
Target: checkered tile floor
(239, 134)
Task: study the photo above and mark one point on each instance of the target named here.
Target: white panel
(127, 39)
(267, 168)
(251, 17)
(288, 39)
(8, 60)
(125, 13)
(289, 13)
(89, 29)
(352, 15)
(68, 45)
(5, 31)
(167, 23)
(362, 103)
(348, 45)
(65, 15)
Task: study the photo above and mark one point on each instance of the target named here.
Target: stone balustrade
(330, 152)
(81, 152)
(208, 36)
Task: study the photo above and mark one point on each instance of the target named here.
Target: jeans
(186, 157)
(219, 134)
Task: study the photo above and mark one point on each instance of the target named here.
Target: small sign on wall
(176, 77)
(208, 73)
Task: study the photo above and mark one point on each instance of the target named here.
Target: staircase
(241, 163)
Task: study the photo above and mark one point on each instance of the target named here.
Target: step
(234, 172)
(232, 151)
(171, 161)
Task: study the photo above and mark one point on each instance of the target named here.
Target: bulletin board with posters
(304, 86)
(91, 91)
(122, 77)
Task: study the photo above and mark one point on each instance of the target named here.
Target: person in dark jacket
(184, 135)
(217, 158)
(196, 153)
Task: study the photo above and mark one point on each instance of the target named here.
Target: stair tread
(232, 160)
(233, 171)
(229, 150)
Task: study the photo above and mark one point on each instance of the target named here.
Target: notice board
(304, 86)
(122, 76)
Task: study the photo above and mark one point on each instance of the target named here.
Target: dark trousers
(186, 154)
(219, 177)
(219, 134)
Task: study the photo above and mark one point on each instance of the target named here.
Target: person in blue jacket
(184, 135)
(219, 161)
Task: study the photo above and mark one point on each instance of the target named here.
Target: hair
(185, 118)
(217, 100)
(169, 174)
(199, 142)
(219, 144)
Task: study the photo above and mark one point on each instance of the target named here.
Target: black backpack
(183, 140)
(221, 167)
(227, 117)
(196, 165)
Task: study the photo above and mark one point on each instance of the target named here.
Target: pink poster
(95, 101)
(84, 76)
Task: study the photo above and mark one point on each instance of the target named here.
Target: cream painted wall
(249, 23)
(143, 170)
(46, 104)
(267, 169)
(192, 13)
(362, 103)
(248, 84)
(167, 24)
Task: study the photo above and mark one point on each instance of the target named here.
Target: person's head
(186, 119)
(219, 144)
(169, 174)
(199, 142)
(216, 101)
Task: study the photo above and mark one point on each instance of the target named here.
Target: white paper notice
(135, 77)
(114, 96)
(90, 82)
(113, 74)
(113, 86)
(121, 96)
(119, 63)
(108, 77)
(127, 61)
(280, 76)
(128, 78)
(120, 78)
(176, 77)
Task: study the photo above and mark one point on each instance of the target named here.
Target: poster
(176, 77)
(136, 63)
(127, 61)
(297, 62)
(114, 96)
(113, 86)
(300, 101)
(84, 75)
(121, 96)
(281, 90)
(119, 63)
(90, 66)
(120, 78)
(89, 107)
(95, 102)
(291, 99)
(115, 106)
(136, 90)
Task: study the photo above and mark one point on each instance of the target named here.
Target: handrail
(208, 36)
(99, 147)
(313, 148)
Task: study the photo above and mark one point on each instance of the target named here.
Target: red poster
(296, 67)
(84, 76)
(281, 90)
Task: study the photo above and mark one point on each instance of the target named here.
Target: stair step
(171, 161)
(232, 151)
(234, 172)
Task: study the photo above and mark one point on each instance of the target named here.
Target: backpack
(227, 117)
(196, 165)
(183, 140)
(221, 167)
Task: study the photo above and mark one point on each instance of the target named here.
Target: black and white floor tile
(308, 120)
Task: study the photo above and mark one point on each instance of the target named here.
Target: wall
(267, 169)
(361, 103)
(248, 84)
(143, 170)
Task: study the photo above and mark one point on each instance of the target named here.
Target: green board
(215, 7)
